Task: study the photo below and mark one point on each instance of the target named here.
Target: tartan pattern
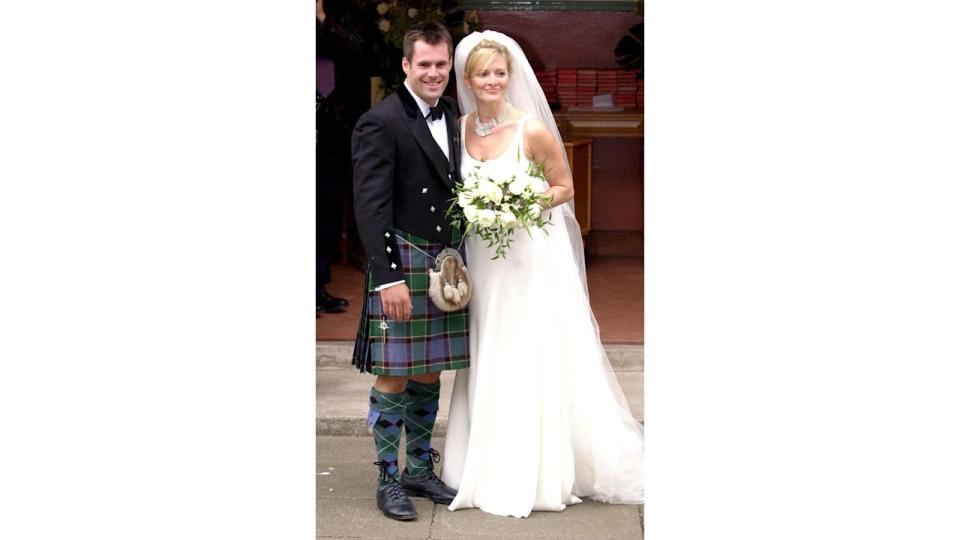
(419, 417)
(432, 340)
(386, 418)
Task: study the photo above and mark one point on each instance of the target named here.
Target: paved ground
(347, 507)
(346, 476)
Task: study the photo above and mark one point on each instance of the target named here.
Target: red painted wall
(553, 39)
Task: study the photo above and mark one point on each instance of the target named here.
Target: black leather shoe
(392, 500)
(427, 484)
(324, 295)
(330, 304)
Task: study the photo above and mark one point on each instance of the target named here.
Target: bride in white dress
(539, 420)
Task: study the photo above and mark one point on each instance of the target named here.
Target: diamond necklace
(486, 128)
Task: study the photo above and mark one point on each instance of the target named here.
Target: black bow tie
(436, 113)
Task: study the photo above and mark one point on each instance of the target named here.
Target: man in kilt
(406, 162)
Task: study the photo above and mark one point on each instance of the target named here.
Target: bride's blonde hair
(482, 55)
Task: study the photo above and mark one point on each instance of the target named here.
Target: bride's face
(490, 82)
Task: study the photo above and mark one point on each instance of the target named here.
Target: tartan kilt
(431, 341)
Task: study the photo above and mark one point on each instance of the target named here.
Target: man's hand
(396, 302)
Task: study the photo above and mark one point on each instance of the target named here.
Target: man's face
(428, 70)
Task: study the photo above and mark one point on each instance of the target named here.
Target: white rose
(538, 185)
(470, 181)
(483, 171)
(464, 199)
(486, 189)
(382, 8)
(508, 219)
(517, 186)
(412, 12)
(534, 210)
(384, 25)
(470, 212)
(486, 217)
(503, 172)
(497, 172)
(497, 195)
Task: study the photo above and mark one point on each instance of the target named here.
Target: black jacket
(401, 179)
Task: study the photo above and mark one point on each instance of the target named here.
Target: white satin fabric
(539, 420)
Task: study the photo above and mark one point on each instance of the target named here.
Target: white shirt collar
(424, 106)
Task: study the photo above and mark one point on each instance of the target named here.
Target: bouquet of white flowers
(494, 199)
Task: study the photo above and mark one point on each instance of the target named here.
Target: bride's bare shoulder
(534, 129)
(538, 141)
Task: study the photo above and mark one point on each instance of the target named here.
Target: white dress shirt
(438, 128)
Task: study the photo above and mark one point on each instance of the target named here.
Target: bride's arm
(543, 148)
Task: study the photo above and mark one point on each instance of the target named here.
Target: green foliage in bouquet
(492, 201)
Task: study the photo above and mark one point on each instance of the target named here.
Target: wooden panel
(625, 123)
(580, 155)
(615, 244)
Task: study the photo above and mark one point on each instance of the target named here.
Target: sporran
(450, 284)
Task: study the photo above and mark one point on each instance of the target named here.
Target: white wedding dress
(538, 420)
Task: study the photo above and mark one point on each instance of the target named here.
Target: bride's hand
(396, 302)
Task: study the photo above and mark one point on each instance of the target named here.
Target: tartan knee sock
(386, 417)
(419, 416)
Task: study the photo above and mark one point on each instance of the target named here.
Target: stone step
(342, 399)
(623, 357)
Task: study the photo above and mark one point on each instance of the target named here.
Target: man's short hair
(431, 33)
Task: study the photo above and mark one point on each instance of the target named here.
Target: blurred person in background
(343, 94)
